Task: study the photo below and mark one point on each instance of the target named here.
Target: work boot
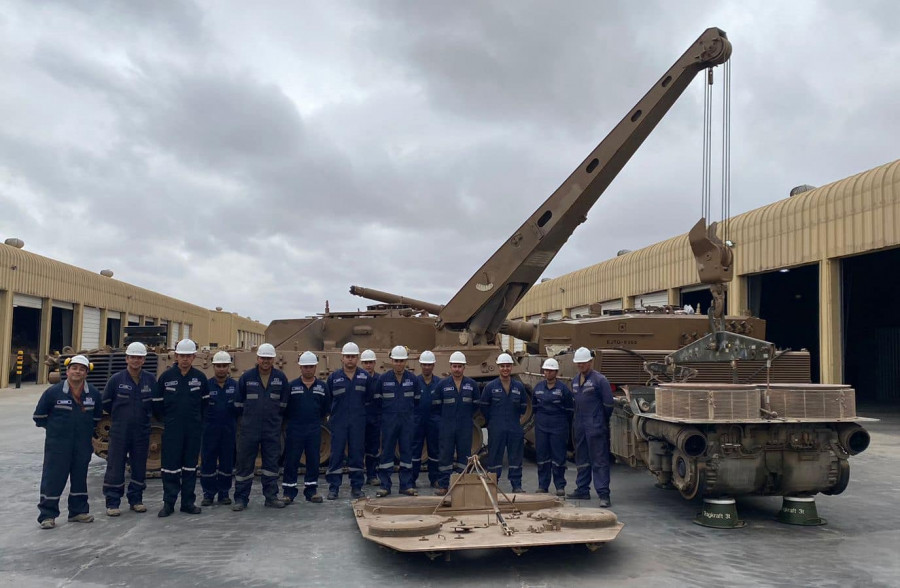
(440, 492)
(542, 491)
(332, 495)
(275, 503)
(382, 492)
(373, 482)
(576, 495)
(48, 523)
(113, 512)
(411, 492)
(560, 491)
(238, 505)
(518, 490)
(605, 502)
(166, 510)
(287, 500)
(224, 500)
(138, 507)
(191, 509)
(357, 493)
(82, 518)
(314, 498)
(207, 501)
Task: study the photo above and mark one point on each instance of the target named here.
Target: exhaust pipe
(690, 440)
(853, 438)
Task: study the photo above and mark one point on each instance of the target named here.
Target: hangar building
(820, 266)
(47, 306)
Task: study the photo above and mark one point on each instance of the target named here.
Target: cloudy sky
(265, 159)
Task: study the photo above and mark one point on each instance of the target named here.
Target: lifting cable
(706, 182)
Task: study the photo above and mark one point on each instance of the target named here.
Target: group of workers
(369, 415)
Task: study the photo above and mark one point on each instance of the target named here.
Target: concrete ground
(319, 545)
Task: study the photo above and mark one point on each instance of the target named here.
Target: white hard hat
(550, 364)
(399, 352)
(308, 358)
(221, 357)
(80, 360)
(186, 347)
(505, 358)
(582, 354)
(136, 349)
(458, 357)
(427, 357)
(350, 349)
(367, 355)
(266, 350)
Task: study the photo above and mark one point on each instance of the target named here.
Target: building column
(78, 326)
(6, 316)
(104, 316)
(674, 295)
(831, 356)
(737, 297)
(627, 302)
(44, 340)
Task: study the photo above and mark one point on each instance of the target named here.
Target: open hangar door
(788, 300)
(871, 325)
(699, 297)
(26, 335)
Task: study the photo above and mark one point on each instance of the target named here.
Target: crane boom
(484, 302)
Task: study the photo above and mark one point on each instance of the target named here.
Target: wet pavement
(319, 544)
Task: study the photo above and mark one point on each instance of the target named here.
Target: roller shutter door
(187, 332)
(660, 298)
(26, 301)
(175, 333)
(611, 305)
(90, 328)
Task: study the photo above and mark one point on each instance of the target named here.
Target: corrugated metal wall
(858, 214)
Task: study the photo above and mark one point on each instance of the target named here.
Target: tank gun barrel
(388, 298)
(520, 330)
(485, 301)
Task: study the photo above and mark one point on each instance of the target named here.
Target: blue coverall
(395, 399)
(219, 430)
(307, 407)
(262, 407)
(348, 426)
(129, 405)
(456, 406)
(373, 432)
(67, 446)
(593, 408)
(502, 410)
(553, 408)
(179, 401)
(426, 432)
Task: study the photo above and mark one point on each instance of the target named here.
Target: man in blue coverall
(219, 429)
(455, 398)
(263, 393)
(179, 400)
(426, 423)
(553, 408)
(395, 398)
(307, 407)
(128, 398)
(503, 402)
(593, 408)
(68, 411)
(368, 360)
(349, 389)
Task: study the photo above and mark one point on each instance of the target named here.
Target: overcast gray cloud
(264, 159)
